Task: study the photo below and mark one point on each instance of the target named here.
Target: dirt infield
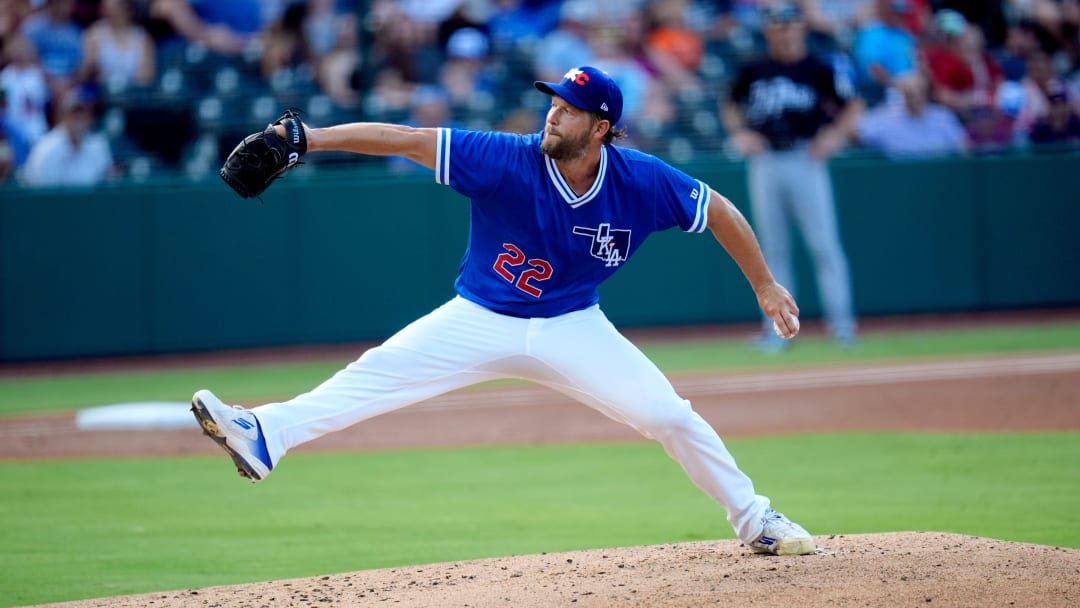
(1037, 392)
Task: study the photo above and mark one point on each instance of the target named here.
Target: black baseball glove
(265, 156)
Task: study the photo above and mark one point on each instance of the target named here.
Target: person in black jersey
(787, 114)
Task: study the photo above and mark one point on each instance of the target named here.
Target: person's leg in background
(771, 220)
(815, 215)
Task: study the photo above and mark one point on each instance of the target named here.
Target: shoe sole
(213, 431)
(804, 546)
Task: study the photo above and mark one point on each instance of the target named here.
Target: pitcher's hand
(779, 305)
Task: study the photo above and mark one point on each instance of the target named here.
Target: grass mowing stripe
(179, 523)
(812, 351)
(260, 383)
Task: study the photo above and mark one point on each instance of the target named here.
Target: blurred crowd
(93, 90)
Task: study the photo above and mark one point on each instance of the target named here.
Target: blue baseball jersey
(538, 249)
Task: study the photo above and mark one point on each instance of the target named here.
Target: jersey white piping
(442, 176)
(702, 217)
(566, 191)
(442, 156)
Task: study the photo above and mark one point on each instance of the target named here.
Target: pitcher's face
(566, 130)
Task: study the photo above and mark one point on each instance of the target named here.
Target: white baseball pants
(579, 354)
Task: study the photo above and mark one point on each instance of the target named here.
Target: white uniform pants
(580, 354)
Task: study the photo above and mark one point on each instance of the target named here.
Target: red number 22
(539, 270)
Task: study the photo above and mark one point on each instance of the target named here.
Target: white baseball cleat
(237, 431)
(781, 536)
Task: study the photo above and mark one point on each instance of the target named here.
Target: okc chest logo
(611, 246)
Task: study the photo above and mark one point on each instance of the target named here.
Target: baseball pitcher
(553, 215)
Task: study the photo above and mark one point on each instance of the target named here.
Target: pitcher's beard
(564, 148)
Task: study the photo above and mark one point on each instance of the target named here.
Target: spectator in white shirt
(70, 154)
(911, 126)
(26, 96)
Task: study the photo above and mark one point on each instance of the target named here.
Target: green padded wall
(356, 254)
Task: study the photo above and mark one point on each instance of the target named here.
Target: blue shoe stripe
(260, 447)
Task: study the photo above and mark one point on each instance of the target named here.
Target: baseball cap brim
(561, 90)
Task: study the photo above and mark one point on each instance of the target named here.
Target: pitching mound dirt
(899, 569)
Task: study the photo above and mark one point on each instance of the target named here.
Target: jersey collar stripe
(442, 157)
(701, 219)
(566, 191)
(599, 183)
(557, 180)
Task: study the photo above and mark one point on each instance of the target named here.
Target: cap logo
(579, 77)
(604, 107)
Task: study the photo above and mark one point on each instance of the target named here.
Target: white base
(142, 415)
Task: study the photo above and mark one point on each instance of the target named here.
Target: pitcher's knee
(672, 418)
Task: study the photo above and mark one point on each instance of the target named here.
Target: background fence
(356, 254)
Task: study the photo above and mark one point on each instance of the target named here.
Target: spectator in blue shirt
(517, 24)
(224, 27)
(567, 44)
(883, 49)
(57, 39)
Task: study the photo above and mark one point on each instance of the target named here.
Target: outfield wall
(355, 254)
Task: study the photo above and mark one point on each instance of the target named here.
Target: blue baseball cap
(589, 89)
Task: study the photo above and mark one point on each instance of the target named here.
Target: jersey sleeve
(474, 162)
(681, 200)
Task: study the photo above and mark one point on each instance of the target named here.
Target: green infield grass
(262, 383)
(101, 528)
